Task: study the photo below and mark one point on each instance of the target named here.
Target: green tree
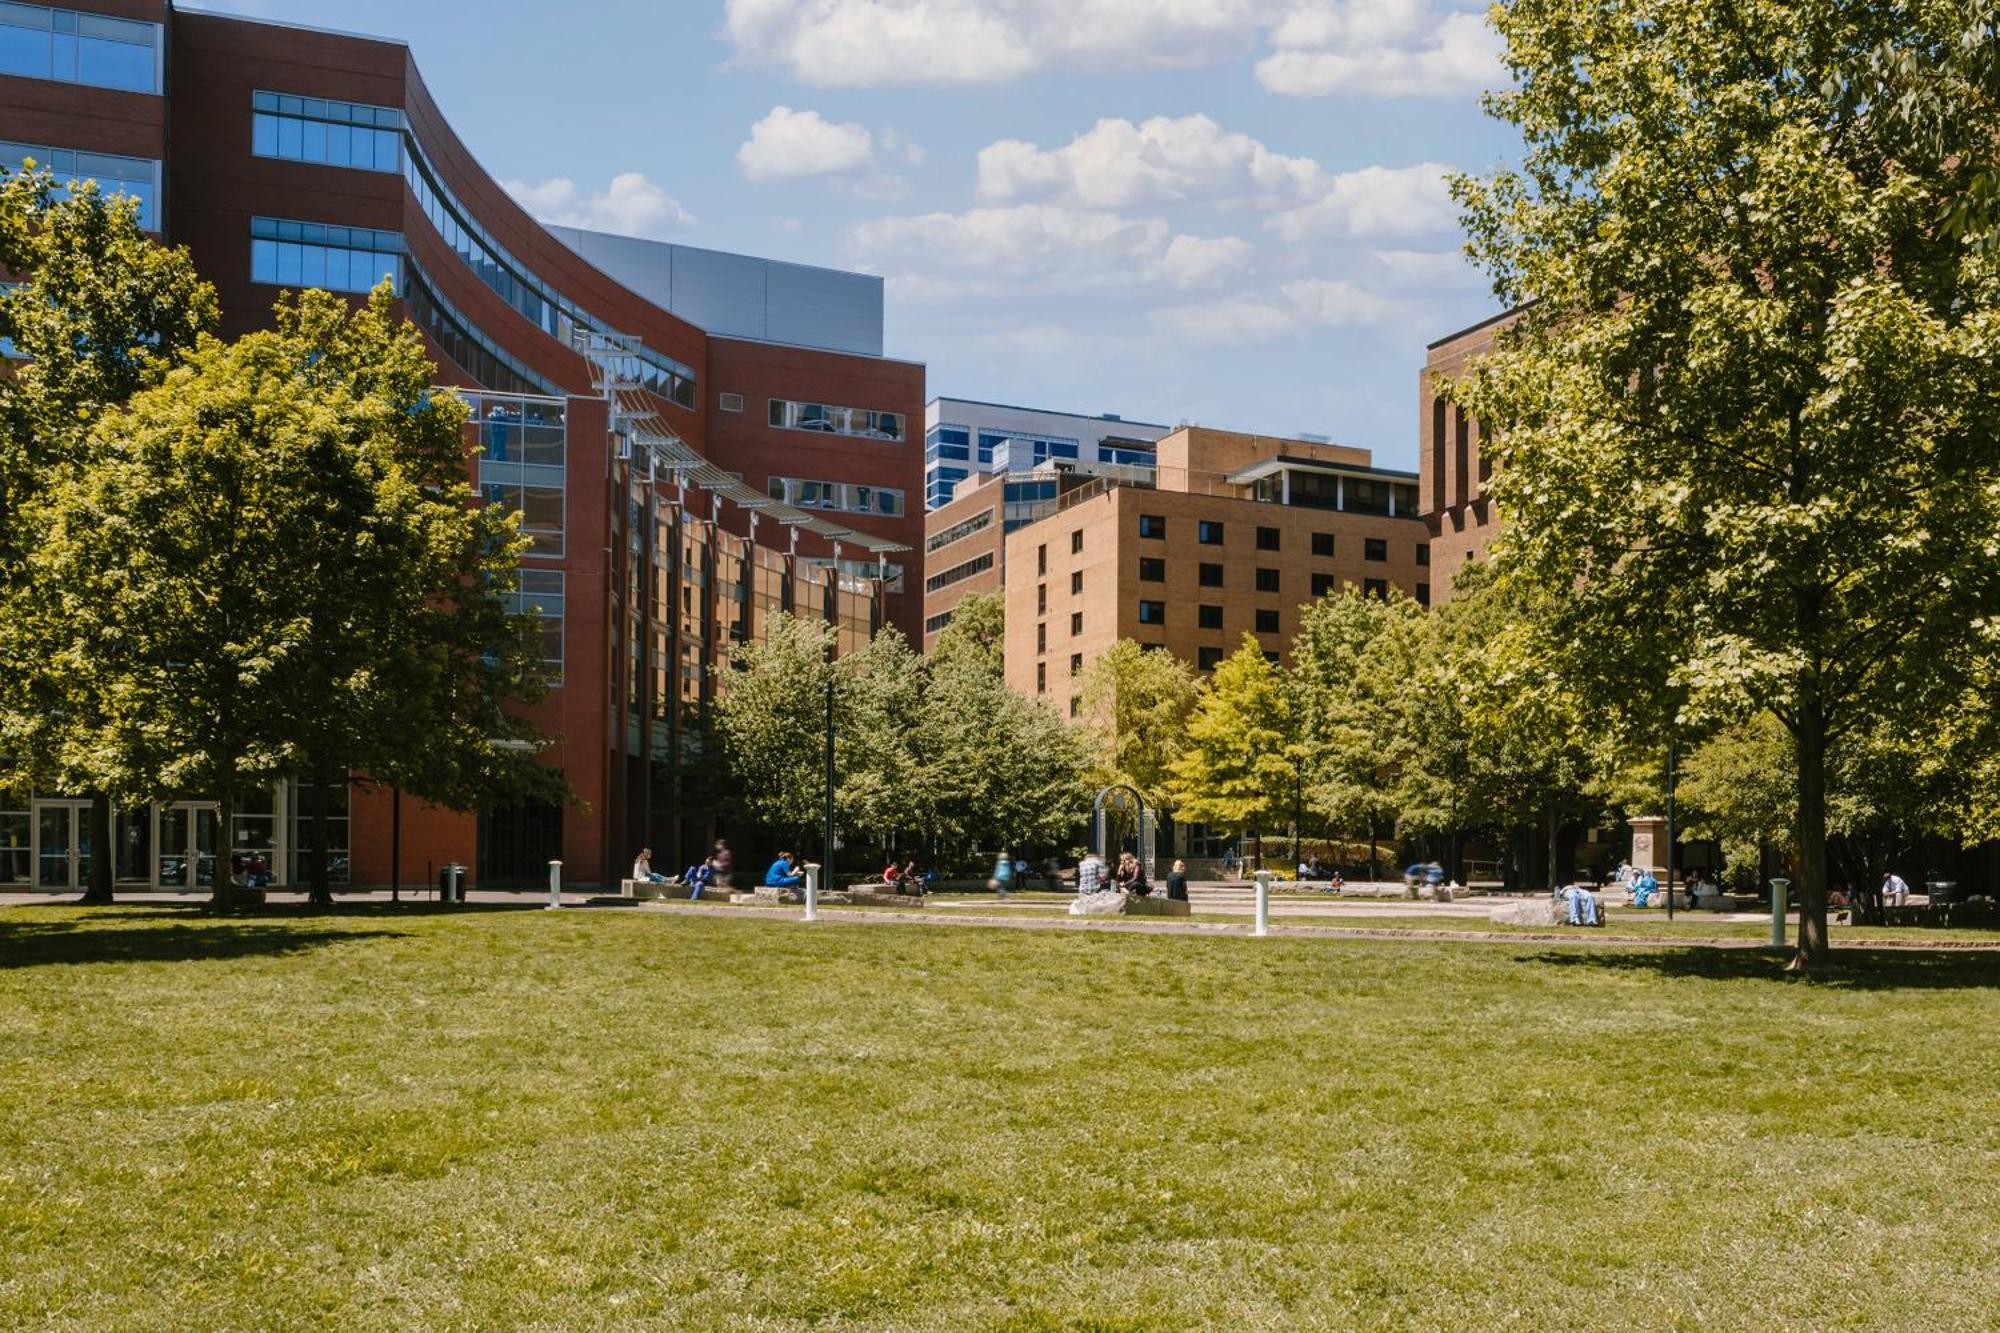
(182, 572)
(1240, 768)
(1743, 431)
(978, 628)
(103, 312)
(1351, 664)
(413, 666)
(770, 720)
(1007, 773)
(1136, 706)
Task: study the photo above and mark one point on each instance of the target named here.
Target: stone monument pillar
(1649, 845)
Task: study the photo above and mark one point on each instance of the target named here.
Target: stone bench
(1114, 902)
(645, 890)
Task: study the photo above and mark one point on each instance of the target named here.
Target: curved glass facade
(510, 280)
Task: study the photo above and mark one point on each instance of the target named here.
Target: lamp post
(1672, 757)
(826, 860)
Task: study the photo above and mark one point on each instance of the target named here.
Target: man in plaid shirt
(1090, 875)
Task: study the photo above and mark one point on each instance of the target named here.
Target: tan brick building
(1453, 467)
(1235, 535)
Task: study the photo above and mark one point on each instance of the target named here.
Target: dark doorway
(516, 844)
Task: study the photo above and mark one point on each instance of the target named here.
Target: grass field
(601, 1119)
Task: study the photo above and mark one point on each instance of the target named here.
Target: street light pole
(827, 859)
(1672, 757)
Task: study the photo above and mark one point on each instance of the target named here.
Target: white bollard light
(812, 891)
(457, 889)
(1263, 926)
(555, 886)
(1779, 892)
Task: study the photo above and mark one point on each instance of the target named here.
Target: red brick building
(1453, 466)
(684, 482)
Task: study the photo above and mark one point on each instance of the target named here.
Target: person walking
(723, 862)
(1003, 876)
(1177, 883)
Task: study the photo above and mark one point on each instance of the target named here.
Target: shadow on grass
(1853, 968)
(54, 944)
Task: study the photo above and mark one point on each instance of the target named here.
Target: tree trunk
(322, 891)
(225, 835)
(1813, 951)
(103, 862)
(1374, 873)
(1555, 848)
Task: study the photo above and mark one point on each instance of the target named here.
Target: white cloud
(1366, 47)
(630, 206)
(1375, 202)
(1380, 48)
(1117, 164)
(935, 256)
(1295, 309)
(791, 145)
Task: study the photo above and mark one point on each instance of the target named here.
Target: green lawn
(621, 1118)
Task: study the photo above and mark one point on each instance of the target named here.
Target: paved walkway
(1293, 916)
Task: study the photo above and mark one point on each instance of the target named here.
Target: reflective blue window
(135, 176)
(319, 129)
(314, 254)
(38, 42)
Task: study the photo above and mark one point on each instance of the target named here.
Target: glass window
(541, 596)
(1375, 588)
(1075, 623)
(1152, 569)
(1366, 497)
(138, 177)
(1423, 594)
(1208, 532)
(1423, 553)
(1322, 543)
(1267, 539)
(1211, 576)
(334, 134)
(1208, 616)
(1076, 664)
(979, 564)
(1267, 620)
(1375, 548)
(1267, 580)
(857, 421)
(42, 43)
(1075, 581)
(1152, 613)
(1207, 659)
(1076, 542)
(1322, 584)
(1152, 525)
(314, 254)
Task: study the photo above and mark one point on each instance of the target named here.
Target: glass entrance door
(62, 846)
(187, 846)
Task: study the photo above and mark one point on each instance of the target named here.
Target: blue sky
(1224, 211)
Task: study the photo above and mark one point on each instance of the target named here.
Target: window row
(979, 564)
(959, 531)
(334, 134)
(826, 419)
(950, 442)
(932, 624)
(538, 302)
(315, 254)
(37, 42)
(136, 176)
(460, 340)
(846, 497)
